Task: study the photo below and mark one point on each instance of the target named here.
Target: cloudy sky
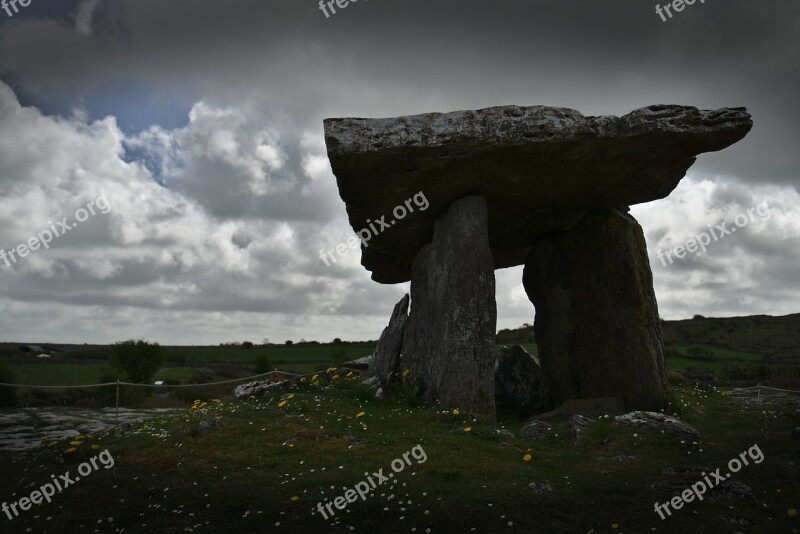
(200, 122)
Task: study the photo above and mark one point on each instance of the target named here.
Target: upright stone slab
(450, 335)
(387, 353)
(596, 321)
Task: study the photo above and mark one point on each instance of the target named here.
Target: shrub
(247, 344)
(138, 358)
(201, 376)
(263, 364)
(338, 356)
(127, 395)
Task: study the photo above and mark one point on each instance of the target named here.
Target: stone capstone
(539, 168)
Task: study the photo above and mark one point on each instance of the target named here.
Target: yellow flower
(335, 377)
(290, 397)
(314, 378)
(406, 372)
(291, 445)
(614, 525)
(791, 512)
(527, 458)
(95, 447)
(295, 498)
(71, 449)
(349, 374)
(456, 412)
(75, 443)
(468, 429)
(281, 404)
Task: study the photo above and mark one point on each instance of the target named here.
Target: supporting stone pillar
(596, 313)
(449, 339)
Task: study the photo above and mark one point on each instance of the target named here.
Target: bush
(202, 376)
(247, 344)
(699, 352)
(289, 342)
(8, 395)
(127, 395)
(338, 356)
(263, 364)
(138, 358)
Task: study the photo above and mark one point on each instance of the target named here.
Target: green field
(54, 374)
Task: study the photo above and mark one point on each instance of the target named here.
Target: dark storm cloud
(237, 91)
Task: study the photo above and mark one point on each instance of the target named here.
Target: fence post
(116, 412)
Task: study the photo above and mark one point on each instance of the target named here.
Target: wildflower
(406, 372)
(360, 414)
(295, 498)
(71, 449)
(281, 404)
(527, 458)
(468, 429)
(456, 412)
(75, 443)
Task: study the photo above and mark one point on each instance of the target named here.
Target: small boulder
(658, 422)
(361, 364)
(257, 389)
(520, 387)
(577, 424)
(541, 487)
(534, 429)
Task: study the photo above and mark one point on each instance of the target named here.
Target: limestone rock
(520, 387)
(541, 487)
(577, 424)
(539, 169)
(257, 389)
(534, 430)
(596, 321)
(659, 422)
(449, 340)
(360, 364)
(387, 353)
(590, 407)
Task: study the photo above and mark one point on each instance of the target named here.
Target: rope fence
(279, 374)
(760, 393)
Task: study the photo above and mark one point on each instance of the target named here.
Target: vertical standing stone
(449, 339)
(387, 353)
(596, 313)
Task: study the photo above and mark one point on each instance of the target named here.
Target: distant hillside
(777, 338)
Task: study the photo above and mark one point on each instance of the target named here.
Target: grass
(271, 460)
(720, 353)
(55, 374)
